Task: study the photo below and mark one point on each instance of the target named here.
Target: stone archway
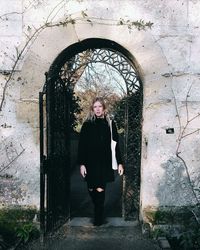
(61, 79)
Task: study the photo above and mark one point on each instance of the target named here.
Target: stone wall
(167, 56)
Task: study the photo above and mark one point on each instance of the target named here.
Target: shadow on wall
(175, 218)
(174, 189)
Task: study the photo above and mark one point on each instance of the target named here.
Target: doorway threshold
(110, 222)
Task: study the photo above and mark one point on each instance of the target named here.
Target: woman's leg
(97, 195)
(99, 206)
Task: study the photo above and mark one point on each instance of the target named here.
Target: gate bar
(42, 172)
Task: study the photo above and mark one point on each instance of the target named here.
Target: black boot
(99, 208)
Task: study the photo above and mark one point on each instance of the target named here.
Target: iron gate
(55, 121)
(54, 153)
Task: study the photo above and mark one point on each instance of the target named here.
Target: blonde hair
(91, 116)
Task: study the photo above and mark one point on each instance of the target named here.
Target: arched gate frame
(55, 127)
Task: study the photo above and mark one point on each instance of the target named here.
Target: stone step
(110, 222)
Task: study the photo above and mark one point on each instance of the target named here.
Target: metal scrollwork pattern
(73, 69)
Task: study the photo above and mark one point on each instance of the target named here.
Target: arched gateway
(55, 109)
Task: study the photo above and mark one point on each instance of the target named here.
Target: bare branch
(190, 133)
(177, 112)
(188, 176)
(13, 160)
(182, 135)
(194, 117)
(186, 101)
(16, 62)
(5, 16)
(53, 10)
(195, 216)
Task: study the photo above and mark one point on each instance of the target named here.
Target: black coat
(94, 151)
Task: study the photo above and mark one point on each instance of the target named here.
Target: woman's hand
(120, 169)
(83, 170)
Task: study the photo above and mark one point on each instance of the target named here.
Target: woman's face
(98, 109)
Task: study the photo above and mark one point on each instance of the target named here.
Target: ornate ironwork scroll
(73, 69)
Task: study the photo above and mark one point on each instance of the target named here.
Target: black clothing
(99, 208)
(95, 151)
(98, 199)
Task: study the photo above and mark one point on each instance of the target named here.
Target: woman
(94, 155)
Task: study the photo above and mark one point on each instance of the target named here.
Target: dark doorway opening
(62, 189)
